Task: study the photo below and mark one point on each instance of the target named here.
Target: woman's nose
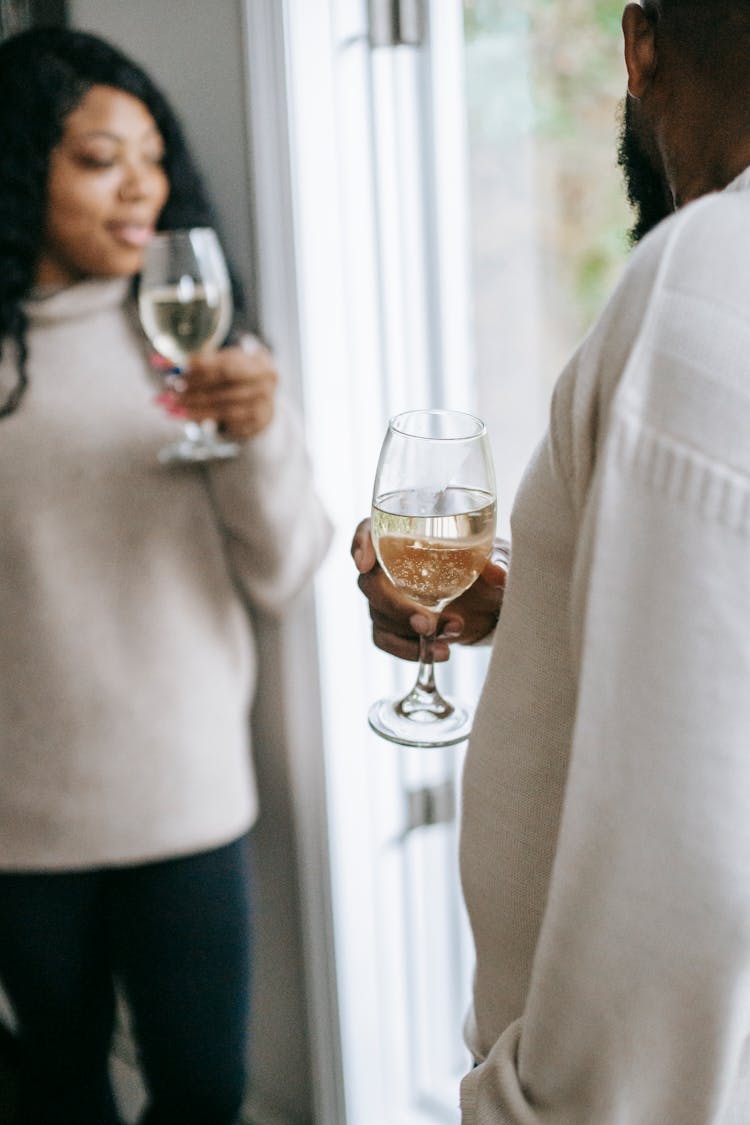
(138, 182)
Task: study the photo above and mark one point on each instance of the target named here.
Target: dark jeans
(176, 935)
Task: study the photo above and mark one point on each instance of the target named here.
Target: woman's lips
(136, 235)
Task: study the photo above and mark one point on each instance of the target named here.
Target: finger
(493, 574)
(406, 648)
(251, 345)
(387, 601)
(393, 620)
(394, 644)
(451, 627)
(244, 423)
(251, 382)
(196, 390)
(236, 409)
(241, 419)
(362, 549)
(230, 365)
(225, 395)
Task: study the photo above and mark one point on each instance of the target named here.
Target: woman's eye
(88, 160)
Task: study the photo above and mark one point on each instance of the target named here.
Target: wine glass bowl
(185, 306)
(433, 556)
(433, 526)
(180, 319)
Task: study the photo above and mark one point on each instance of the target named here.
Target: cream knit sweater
(126, 648)
(605, 846)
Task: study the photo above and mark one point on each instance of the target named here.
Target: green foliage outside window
(549, 75)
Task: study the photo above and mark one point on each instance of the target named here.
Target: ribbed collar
(86, 298)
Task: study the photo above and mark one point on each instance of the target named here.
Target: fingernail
(250, 345)
(357, 556)
(176, 411)
(161, 363)
(419, 623)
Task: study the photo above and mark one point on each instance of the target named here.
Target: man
(606, 799)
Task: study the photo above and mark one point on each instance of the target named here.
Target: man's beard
(647, 190)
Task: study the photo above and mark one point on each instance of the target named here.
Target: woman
(126, 654)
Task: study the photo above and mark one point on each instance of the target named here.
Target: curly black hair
(44, 74)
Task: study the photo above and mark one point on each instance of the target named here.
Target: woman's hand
(397, 621)
(235, 387)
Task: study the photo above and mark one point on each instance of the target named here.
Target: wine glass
(433, 526)
(185, 306)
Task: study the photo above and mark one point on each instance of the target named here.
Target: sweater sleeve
(637, 1006)
(277, 531)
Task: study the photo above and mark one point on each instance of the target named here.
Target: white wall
(194, 49)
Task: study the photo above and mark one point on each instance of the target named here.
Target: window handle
(428, 805)
(396, 23)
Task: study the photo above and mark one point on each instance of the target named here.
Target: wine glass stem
(424, 698)
(196, 432)
(426, 674)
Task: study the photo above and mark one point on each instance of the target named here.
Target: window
(440, 228)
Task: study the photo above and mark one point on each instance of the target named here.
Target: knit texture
(606, 810)
(127, 590)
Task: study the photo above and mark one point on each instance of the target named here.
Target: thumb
(362, 549)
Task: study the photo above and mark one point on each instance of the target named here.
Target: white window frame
(328, 126)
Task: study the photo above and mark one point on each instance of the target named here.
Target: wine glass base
(422, 728)
(186, 450)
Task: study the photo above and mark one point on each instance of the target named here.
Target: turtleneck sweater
(127, 594)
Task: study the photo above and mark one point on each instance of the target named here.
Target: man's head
(686, 125)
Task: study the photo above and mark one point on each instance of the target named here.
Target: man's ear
(639, 34)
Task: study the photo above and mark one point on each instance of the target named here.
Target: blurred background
(422, 199)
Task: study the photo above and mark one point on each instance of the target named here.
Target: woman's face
(105, 191)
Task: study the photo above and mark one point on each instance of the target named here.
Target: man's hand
(397, 621)
(235, 387)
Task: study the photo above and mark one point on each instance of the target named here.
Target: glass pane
(549, 216)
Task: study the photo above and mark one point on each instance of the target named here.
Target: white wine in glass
(185, 306)
(433, 526)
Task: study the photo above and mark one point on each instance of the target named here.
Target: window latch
(396, 23)
(431, 804)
